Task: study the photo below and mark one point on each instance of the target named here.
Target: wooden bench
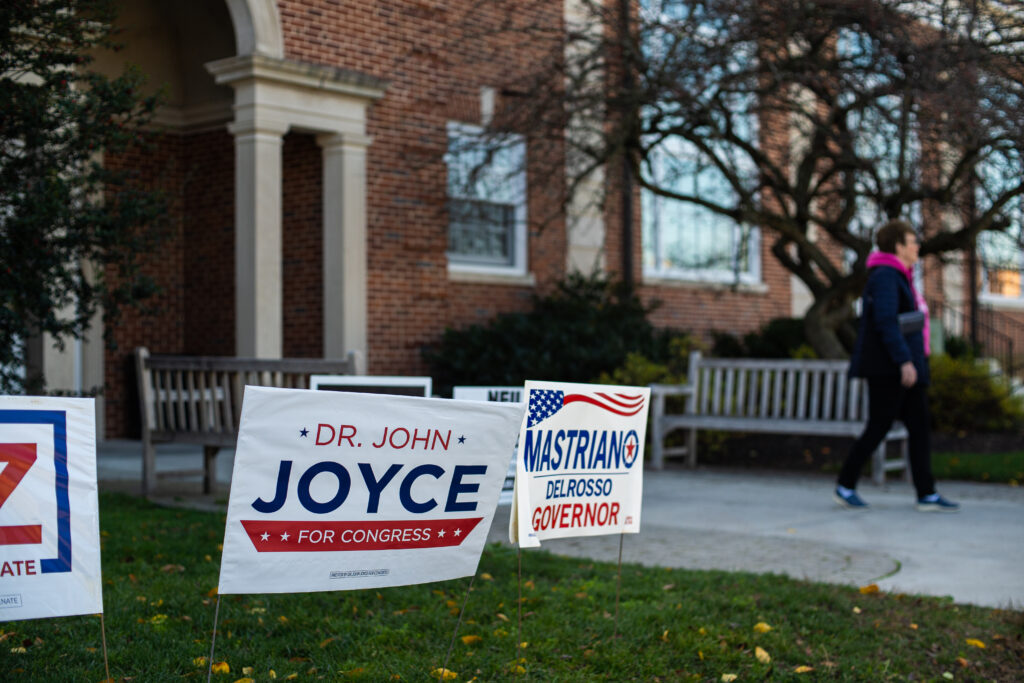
(198, 400)
(812, 397)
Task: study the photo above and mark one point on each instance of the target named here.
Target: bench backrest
(202, 395)
(818, 390)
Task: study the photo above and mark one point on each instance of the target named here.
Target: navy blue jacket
(880, 349)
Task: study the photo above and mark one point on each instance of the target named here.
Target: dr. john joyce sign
(579, 464)
(49, 519)
(339, 491)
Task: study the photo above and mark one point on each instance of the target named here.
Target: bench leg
(905, 456)
(148, 468)
(691, 449)
(878, 464)
(209, 467)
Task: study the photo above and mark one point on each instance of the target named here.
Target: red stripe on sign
(21, 535)
(574, 398)
(312, 536)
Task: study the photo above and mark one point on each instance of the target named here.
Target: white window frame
(515, 185)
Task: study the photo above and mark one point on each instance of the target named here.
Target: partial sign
(499, 394)
(579, 469)
(340, 491)
(49, 513)
(373, 384)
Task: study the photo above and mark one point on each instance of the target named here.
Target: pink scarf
(880, 258)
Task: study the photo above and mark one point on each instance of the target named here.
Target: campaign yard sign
(342, 491)
(579, 469)
(501, 394)
(49, 513)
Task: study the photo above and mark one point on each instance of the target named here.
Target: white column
(258, 297)
(344, 243)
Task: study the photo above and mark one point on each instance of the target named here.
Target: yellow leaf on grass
(803, 669)
(327, 642)
(913, 626)
(18, 650)
(471, 640)
(221, 668)
(199, 661)
(272, 674)
(502, 616)
(762, 655)
(248, 671)
(246, 680)
(974, 642)
(529, 585)
(869, 589)
(962, 662)
(443, 674)
(664, 636)
(728, 678)
(158, 619)
(358, 671)
(291, 677)
(518, 670)
(856, 610)
(172, 569)
(486, 577)
(762, 627)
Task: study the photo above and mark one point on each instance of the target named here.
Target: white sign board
(373, 384)
(49, 513)
(579, 464)
(341, 491)
(500, 394)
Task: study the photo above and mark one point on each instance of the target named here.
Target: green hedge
(587, 326)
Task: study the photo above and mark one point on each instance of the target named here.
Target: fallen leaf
(664, 636)
(913, 626)
(18, 650)
(443, 674)
(762, 655)
(246, 680)
(172, 568)
(529, 585)
(803, 669)
(199, 661)
(486, 577)
(668, 586)
(856, 610)
(248, 670)
(728, 678)
(327, 642)
(948, 676)
(974, 642)
(762, 627)
(518, 670)
(471, 640)
(869, 589)
(158, 619)
(962, 662)
(502, 616)
(221, 668)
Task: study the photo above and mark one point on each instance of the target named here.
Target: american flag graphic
(546, 402)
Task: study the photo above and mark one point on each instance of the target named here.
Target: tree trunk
(822, 337)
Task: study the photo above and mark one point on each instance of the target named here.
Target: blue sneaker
(936, 503)
(849, 499)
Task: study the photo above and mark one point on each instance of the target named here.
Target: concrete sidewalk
(757, 522)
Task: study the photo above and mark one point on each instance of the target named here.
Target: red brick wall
(302, 247)
(162, 330)
(210, 237)
(434, 62)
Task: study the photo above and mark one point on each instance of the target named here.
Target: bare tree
(816, 119)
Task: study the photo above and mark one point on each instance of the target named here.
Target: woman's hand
(908, 374)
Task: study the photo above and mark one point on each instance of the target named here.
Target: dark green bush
(778, 338)
(967, 397)
(587, 326)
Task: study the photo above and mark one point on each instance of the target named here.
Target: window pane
(480, 232)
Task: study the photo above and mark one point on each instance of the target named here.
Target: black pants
(889, 400)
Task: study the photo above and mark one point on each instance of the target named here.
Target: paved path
(764, 522)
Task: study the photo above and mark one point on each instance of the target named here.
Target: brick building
(308, 147)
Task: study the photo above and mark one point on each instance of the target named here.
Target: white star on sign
(440, 533)
(265, 536)
(284, 536)
(458, 532)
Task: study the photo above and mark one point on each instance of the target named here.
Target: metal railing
(994, 335)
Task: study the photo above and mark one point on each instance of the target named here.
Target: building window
(683, 240)
(688, 240)
(486, 201)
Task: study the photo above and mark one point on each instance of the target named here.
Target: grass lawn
(995, 467)
(161, 566)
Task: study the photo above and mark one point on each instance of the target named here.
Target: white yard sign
(342, 491)
(49, 514)
(579, 465)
